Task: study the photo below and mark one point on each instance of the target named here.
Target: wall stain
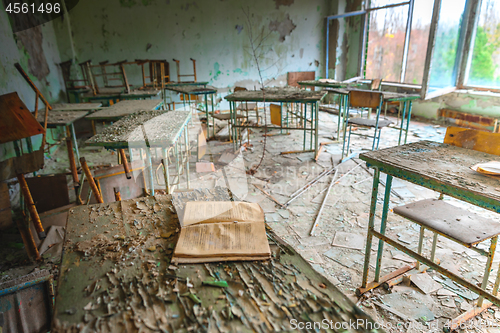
(31, 40)
(283, 3)
(284, 28)
(239, 28)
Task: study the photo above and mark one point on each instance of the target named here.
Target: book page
(231, 239)
(221, 211)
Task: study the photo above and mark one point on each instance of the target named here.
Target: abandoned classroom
(262, 166)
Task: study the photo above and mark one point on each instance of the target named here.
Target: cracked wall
(215, 33)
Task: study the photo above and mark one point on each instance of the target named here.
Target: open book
(221, 231)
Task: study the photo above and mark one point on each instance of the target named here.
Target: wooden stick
(269, 195)
(36, 105)
(28, 240)
(125, 163)
(316, 222)
(31, 206)
(72, 163)
(118, 196)
(45, 125)
(91, 181)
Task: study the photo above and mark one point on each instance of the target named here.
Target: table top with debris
(124, 108)
(192, 89)
(75, 107)
(441, 167)
(116, 275)
(388, 96)
(189, 83)
(277, 95)
(61, 118)
(157, 128)
(147, 92)
(326, 83)
(105, 93)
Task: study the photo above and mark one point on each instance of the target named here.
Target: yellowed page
(197, 212)
(237, 239)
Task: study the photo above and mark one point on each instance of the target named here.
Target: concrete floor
(344, 219)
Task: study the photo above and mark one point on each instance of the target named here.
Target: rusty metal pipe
(118, 196)
(28, 240)
(31, 206)
(125, 163)
(91, 181)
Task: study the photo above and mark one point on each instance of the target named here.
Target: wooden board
(364, 99)
(49, 191)
(293, 78)
(388, 96)
(469, 120)
(16, 121)
(142, 93)
(277, 95)
(125, 108)
(441, 167)
(486, 142)
(193, 90)
(116, 276)
(5, 212)
(61, 118)
(26, 163)
(275, 114)
(75, 107)
(145, 128)
(325, 83)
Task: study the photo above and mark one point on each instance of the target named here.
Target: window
(484, 68)
(386, 41)
(419, 37)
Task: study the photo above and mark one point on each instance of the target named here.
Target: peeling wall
(215, 33)
(481, 103)
(37, 51)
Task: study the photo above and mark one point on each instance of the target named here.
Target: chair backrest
(376, 84)
(239, 89)
(365, 99)
(483, 141)
(293, 78)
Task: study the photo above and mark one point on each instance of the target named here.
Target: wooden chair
(371, 100)
(69, 83)
(247, 107)
(457, 224)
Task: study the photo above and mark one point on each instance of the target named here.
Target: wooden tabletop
(115, 276)
(124, 108)
(193, 89)
(61, 118)
(277, 95)
(326, 83)
(386, 95)
(74, 107)
(441, 167)
(176, 84)
(156, 128)
(149, 92)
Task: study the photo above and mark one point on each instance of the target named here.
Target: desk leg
(489, 262)
(213, 112)
(383, 224)
(208, 120)
(151, 172)
(410, 103)
(166, 175)
(371, 225)
(305, 126)
(402, 122)
(186, 155)
(339, 117)
(316, 129)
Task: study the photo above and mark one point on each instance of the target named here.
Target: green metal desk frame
(197, 89)
(301, 107)
(179, 150)
(437, 179)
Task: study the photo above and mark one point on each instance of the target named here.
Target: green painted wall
(215, 33)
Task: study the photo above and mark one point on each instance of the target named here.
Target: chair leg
(420, 243)
(378, 140)
(434, 243)
(489, 262)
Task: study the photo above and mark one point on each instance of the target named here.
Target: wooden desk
(300, 104)
(326, 84)
(75, 107)
(197, 90)
(112, 95)
(66, 119)
(405, 99)
(436, 166)
(148, 130)
(116, 276)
